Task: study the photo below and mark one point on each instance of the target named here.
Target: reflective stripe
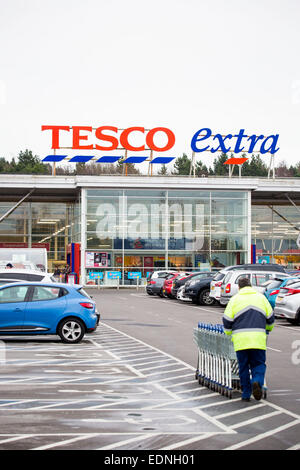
(248, 330)
(255, 307)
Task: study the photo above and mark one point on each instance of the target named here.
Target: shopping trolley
(217, 365)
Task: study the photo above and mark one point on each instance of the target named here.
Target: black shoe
(245, 399)
(256, 390)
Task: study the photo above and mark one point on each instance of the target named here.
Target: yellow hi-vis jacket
(247, 317)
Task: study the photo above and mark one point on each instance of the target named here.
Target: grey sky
(185, 65)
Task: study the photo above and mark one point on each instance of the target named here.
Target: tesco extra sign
(108, 138)
(108, 134)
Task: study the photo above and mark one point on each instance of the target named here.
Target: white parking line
(126, 441)
(241, 410)
(263, 435)
(181, 400)
(16, 438)
(255, 420)
(65, 442)
(191, 440)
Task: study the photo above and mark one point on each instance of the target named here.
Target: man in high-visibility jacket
(248, 318)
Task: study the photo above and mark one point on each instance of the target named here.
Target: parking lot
(131, 385)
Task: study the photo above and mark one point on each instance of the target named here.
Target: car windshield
(227, 277)
(219, 277)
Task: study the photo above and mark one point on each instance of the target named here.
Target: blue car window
(13, 294)
(45, 293)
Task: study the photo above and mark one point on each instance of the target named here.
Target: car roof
(43, 284)
(238, 272)
(257, 266)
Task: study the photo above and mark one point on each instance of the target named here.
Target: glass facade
(130, 233)
(141, 231)
(39, 225)
(275, 229)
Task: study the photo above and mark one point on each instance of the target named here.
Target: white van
(257, 278)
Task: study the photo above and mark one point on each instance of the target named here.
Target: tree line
(28, 163)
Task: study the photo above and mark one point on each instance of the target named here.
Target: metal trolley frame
(217, 365)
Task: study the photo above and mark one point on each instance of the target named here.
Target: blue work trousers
(252, 367)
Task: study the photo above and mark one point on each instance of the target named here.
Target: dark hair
(244, 282)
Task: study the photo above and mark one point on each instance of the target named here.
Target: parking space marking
(163, 389)
(126, 442)
(15, 438)
(65, 442)
(241, 410)
(263, 435)
(255, 420)
(191, 440)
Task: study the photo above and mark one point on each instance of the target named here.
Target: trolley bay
(131, 386)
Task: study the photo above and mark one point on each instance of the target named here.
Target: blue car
(274, 285)
(28, 308)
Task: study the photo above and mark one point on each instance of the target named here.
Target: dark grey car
(155, 284)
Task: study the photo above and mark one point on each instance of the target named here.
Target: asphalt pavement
(168, 324)
(131, 386)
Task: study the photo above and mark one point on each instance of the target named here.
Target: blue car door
(13, 304)
(46, 306)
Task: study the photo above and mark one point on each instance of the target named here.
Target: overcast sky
(181, 64)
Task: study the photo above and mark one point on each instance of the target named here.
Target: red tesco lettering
(108, 134)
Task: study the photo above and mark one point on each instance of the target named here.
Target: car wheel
(205, 299)
(71, 330)
(295, 321)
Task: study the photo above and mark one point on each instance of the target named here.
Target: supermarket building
(137, 224)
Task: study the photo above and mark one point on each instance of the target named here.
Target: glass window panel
(230, 207)
(229, 242)
(220, 225)
(222, 259)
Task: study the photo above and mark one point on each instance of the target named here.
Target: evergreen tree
(163, 170)
(30, 164)
(182, 165)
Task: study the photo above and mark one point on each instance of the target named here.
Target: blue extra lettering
(272, 149)
(221, 140)
(254, 139)
(240, 136)
(198, 137)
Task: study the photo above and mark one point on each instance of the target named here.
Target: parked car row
(185, 286)
(281, 287)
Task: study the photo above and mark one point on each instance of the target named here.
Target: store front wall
(40, 225)
(141, 231)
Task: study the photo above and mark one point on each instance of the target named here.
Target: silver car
(216, 283)
(257, 278)
(287, 303)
